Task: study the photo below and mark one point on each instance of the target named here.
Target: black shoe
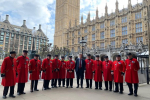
(52, 86)
(130, 94)
(67, 87)
(59, 86)
(48, 88)
(31, 91)
(55, 86)
(81, 87)
(90, 87)
(12, 96)
(87, 87)
(4, 97)
(45, 89)
(121, 92)
(100, 88)
(110, 89)
(18, 93)
(36, 90)
(135, 95)
(23, 93)
(71, 87)
(116, 91)
(106, 89)
(77, 87)
(96, 88)
(63, 86)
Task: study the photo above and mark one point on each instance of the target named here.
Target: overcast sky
(37, 12)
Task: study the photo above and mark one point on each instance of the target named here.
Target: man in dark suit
(80, 69)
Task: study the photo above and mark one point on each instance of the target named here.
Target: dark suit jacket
(77, 66)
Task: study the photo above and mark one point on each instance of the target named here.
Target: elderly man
(70, 72)
(107, 66)
(56, 69)
(89, 71)
(47, 74)
(34, 70)
(8, 74)
(22, 69)
(80, 68)
(118, 69)
(132, 67)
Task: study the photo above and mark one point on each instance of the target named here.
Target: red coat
(98, 71)
(47, 65)
(89, 69)
(22, 69)
(9, 69)
(132, 67)
(107, 66)
(62, 72)
(56, 65)
(70, 67)
(118, 67)
(35, 67)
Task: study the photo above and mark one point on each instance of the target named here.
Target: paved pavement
(79, 94)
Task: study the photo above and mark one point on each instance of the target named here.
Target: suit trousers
(98, 85)
(117, 88)
(5, 91)
(21, 87)
(69, 80)
(80, 76)
(89, 84)
(131, 88)
(110, 85)
(34, 84)
(46, 84)
(63, 82)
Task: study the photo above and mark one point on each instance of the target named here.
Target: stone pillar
(19, 44)
(27, 42)
(23, 42)
(9, 42)
(4, 40)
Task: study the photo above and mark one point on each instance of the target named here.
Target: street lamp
(83, 43)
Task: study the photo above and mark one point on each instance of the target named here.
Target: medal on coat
(12, 65)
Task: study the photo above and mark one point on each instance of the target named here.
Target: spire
(82, 19)
(117, 6)
(7, 19)
(129, 4)
(89, 16)
(97, 13)
(106, 10)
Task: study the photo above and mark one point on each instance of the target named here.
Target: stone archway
(93, 57)
(114, 56)
(102, 57)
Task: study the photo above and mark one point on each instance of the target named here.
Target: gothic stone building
(18, 38)
(120, 32)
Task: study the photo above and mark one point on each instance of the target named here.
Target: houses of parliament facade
(120, 31)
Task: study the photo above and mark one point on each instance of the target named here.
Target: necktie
(80, 64)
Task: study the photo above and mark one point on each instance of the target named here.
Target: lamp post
(83, 43)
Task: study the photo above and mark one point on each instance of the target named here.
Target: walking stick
(113, 81)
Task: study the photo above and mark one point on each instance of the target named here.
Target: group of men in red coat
(16, 71)
(113, 71)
